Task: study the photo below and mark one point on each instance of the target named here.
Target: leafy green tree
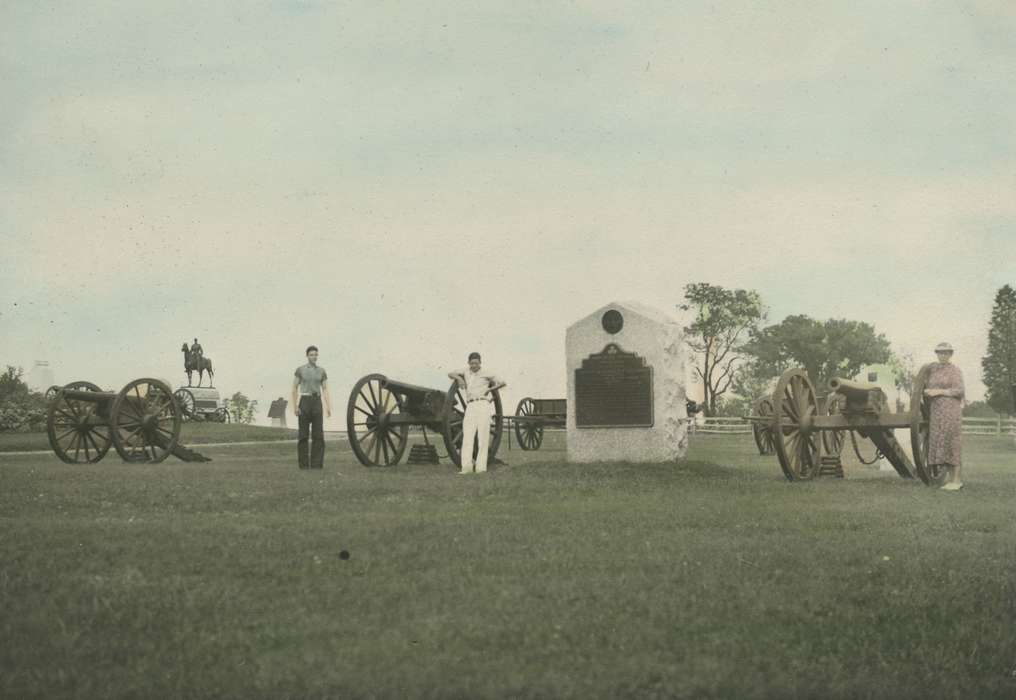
(979, 409)
(752, 381)
(241, 408)
(724, 319)
(11, 384)
(998, 366)
(20, 408)
(825, 349)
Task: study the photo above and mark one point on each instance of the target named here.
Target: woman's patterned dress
(946, 423)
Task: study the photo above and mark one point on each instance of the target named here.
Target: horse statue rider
(194, 360)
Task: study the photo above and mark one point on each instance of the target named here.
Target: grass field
(191, 433)
(712, 578)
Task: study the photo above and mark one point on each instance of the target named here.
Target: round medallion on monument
(613, 321)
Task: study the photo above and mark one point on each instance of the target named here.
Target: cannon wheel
(52, 392)
(186, 400)
(763, 433)
(528, 432)
(797, 445)
(375, 442)
(920, 433)
(455, 411)
(832, 440)
(73, 437)
(222, 415)
(146, 421)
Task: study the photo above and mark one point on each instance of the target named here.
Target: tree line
(738, 356)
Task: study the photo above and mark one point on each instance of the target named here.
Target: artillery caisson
(761, 430)
(381, 411)
(142, 422)
(533, 415)
(802, 431)
(198, 403)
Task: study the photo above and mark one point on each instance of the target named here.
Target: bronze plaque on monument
(614, 389)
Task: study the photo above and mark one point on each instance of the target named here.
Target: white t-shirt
(477, 383)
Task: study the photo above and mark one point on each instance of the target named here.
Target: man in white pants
(479, 386)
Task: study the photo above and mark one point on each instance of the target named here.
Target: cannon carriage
(805, 429)
(142, 422)
(381, 411)
(533, 415)
(199, 403)
(761, 430)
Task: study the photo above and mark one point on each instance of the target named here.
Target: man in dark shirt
(310, 383)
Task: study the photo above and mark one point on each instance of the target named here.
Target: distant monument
(40, 377)
(626, 386)
(194, 360)
(277, 412)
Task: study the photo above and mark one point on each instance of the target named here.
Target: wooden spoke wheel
(222, 415)
(146, 421)
(920, 433)
(53, 391)
(796, 441)
(376, 440)
(455, 411)
(763, 432)
(185, 398)
(528, 432)
(832, 440)
(77, 433)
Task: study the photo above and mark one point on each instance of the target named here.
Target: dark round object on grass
(343, 554)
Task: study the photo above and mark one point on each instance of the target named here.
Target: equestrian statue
(194, 360)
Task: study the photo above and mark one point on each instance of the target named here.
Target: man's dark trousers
(312, 425)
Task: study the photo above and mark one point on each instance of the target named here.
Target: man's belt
(311, 395)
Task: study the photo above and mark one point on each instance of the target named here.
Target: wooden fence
(971, 426)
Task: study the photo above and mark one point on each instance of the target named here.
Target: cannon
(533, 415)
(142, 422)
(381, 411)
(804, 429)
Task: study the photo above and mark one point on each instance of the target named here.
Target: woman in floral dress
(944, 388)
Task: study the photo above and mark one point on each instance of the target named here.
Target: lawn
(191, 433)
(711, 578)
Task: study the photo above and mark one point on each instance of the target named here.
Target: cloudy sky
(401, 183)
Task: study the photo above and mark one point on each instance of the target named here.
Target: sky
(402, 183)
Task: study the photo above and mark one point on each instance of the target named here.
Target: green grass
(713, 578)
(192, 433)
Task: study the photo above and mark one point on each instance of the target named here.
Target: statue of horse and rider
(194, 360)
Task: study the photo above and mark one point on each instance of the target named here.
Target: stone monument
(40, 377)
(626, 386)
(277, 412)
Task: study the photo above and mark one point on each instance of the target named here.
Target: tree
(752, 381)
(12, 387)
(723, 322)
(979, 409)
(241, 408)
(998, 366)
(825, 349)
(20, 408)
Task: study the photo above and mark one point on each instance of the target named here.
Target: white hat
(944, 347)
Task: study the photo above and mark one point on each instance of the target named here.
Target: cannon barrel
(860, 397)
(857, 391)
